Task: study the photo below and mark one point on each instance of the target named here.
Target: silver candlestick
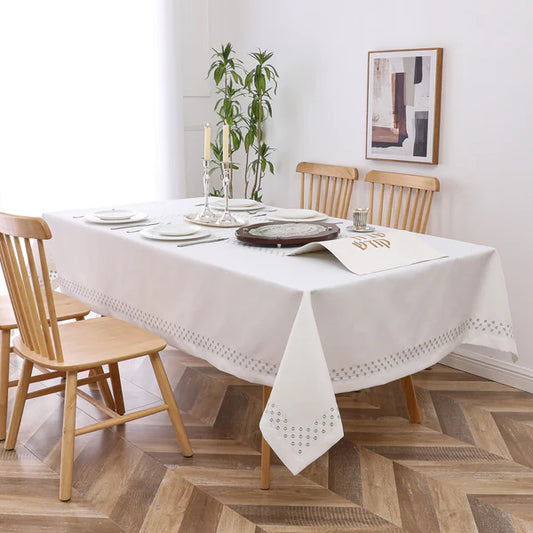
(226, 219)
(206, 215)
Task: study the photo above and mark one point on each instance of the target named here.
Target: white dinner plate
(137, 217)
(176, 230)
(284, 215)
(152, 233)
(114, 214)
(236, 204)
(297, 213)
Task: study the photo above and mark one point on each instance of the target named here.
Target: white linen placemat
(374, 252)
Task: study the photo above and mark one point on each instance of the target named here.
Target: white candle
(207, 142)
(225, 143)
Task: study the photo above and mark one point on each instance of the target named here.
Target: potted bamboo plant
(252, 89)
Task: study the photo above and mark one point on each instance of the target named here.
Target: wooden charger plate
(287, 233)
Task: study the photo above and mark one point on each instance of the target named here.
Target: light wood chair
(408, 202)
(67, 309)
(69, 348)
(326, 188)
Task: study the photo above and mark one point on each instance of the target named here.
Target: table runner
(374, 252)
(304, 325)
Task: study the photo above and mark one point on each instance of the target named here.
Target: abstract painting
(403, 105)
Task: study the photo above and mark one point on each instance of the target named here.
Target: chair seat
(96, 342)
(66, 308)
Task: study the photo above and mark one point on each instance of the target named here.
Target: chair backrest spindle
(389, 208)
(317, 196)
(398, 206)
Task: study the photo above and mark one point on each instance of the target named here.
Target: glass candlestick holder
(226, 219)
(206, 216)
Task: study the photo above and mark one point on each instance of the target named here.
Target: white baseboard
(490, 368)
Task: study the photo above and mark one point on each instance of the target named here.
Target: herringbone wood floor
(468, 468)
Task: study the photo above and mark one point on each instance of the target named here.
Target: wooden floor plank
(467, 468)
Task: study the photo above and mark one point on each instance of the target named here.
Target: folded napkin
(374, 252)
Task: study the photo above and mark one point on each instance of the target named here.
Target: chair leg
(92, 372)
(4, 379)
(173, 411)
(104, 388)
(410, 398)
(265, 448)
(18, 406)
(93, 386)
(117, 388)
(67, 440)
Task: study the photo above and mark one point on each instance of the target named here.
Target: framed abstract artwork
(403, 105)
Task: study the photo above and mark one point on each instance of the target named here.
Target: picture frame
(403, 105)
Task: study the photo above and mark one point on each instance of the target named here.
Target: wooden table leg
(265, 448)
(410, 397)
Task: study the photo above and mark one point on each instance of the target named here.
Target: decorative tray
(287, 233)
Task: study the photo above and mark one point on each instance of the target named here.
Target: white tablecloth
(303, 324)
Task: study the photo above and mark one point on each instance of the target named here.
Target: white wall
(485, 150)
(195, 54)
(89, 103)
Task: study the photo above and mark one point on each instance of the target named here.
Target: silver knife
(203, 242)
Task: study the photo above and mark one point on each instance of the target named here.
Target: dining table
(305, 325)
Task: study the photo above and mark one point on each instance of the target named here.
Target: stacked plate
(297, 215)
(175, 232)
(116, 216)
(236, 204)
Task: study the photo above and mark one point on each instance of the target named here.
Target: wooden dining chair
(403, 200)
(326, 188)
(71, 347)
(67, 308)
